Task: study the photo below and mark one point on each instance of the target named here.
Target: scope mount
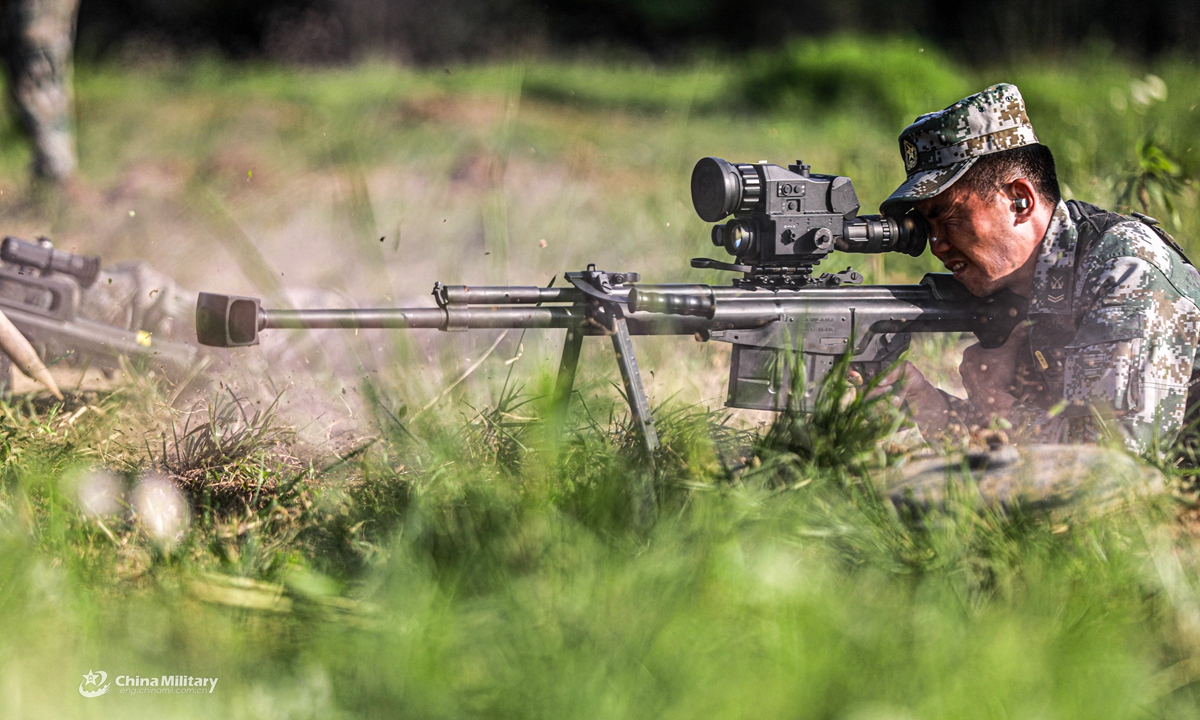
(799, 275)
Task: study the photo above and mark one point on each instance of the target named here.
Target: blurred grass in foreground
(482, 562)
(493, 568)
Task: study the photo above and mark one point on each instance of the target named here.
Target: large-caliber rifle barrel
(416, 318)
(466, 318)
(228, 321)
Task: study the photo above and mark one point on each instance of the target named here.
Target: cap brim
(922, 186)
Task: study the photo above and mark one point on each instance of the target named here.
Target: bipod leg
(644, 504)
(638, 404)
(567, 366)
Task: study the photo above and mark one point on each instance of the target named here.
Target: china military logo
(97, 681)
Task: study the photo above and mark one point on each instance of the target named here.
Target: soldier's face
(974, 237)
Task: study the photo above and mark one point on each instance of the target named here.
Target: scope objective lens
(739, 238)
(716, 189)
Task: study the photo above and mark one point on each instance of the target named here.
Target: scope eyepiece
(906, 234)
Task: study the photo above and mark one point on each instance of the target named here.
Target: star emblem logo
(910, 155)
(95, 679)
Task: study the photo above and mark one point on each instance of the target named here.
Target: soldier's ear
(1023, 196)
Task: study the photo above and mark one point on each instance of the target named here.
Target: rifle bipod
(602, 310)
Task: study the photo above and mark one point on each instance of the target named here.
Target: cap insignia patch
(910, 155)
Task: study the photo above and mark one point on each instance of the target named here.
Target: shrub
(896, 78)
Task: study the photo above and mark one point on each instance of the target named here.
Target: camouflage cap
(939, 147)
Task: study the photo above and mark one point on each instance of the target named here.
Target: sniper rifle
(41, 291)
(785, 323)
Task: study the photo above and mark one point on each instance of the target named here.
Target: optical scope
(786, 220)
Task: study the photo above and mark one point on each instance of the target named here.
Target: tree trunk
(37, 37)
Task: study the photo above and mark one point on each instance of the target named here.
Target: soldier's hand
(987, 375)
(927, 407)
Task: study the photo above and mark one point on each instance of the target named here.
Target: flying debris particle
(382, 238)
(132, 213)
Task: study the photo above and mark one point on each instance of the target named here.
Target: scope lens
(716, 189)
(739, 238)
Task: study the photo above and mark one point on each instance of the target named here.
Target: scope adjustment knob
(823, 239)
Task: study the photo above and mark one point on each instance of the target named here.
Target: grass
(482, 557)
(424, 577)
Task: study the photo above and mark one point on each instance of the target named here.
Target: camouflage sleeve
(1129, 363)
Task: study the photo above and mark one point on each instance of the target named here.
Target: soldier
(36, 37)
(1110, 343)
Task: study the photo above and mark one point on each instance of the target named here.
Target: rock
(1062, 479)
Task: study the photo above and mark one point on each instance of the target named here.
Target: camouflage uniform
(1113, 332)
(1113, 319)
